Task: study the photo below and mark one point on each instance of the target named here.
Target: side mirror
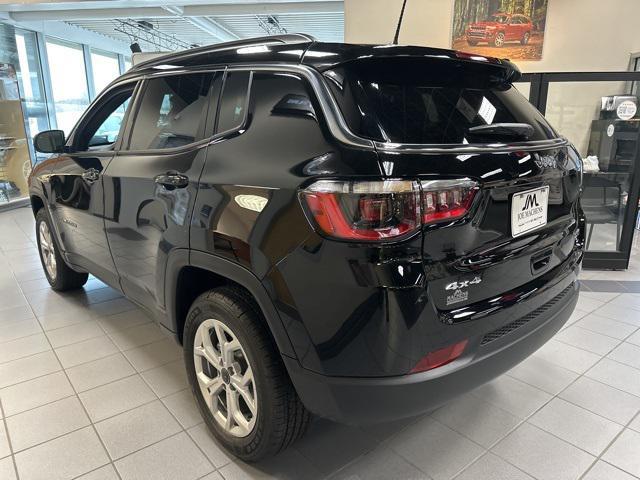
(49, 141)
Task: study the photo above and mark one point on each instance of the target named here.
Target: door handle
(90, 175)
(172, 180)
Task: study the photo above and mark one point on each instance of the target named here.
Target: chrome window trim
(472, 148)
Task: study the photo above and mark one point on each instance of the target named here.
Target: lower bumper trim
(359, 401)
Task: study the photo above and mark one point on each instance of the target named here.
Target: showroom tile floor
(90, 388)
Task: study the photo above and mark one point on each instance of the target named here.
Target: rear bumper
(371, 400)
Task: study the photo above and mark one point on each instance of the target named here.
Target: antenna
(395, 38)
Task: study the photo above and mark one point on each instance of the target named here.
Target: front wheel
(525, 38)
(498, 41)
(237, 376)
(473, 43)
(60, 276)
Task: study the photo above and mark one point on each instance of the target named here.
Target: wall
(581, 35)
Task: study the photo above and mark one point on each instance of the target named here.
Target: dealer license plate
(529, 210)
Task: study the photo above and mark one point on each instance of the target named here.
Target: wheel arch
(191, 273)
(36, 203)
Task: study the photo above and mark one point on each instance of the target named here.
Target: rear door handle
(90, 175)
(171, 180)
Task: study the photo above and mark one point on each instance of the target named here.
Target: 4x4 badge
(463, 284)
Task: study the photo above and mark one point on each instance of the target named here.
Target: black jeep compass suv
(362, 232)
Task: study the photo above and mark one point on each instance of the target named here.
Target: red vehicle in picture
(500, 28)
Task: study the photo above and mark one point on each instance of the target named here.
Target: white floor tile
(512, 395)
(543, 375)
(576, 425)
(624, 453)
(618, 375)
(63, 458)
(492, 467)
(603, 400)
(542, 455)
(34, 393)
(477, 420)
(99, 372)
(435, 449)
(172, 458)
(117, 397)
(7, 469)
(603, 471)
(136, 429)
(45, 423)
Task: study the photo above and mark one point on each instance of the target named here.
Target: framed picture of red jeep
(511, 29)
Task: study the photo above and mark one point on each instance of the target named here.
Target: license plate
(529, 210)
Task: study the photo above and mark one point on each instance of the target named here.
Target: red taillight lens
(364, 210)
(446, 199)
(380, 210)
(440, 357)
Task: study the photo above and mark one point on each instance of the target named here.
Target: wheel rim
(225, 378)
(526, 38)
(47, 250)
(499, 39)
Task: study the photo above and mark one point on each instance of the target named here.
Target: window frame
(94, 108)
(247, 104)
(205, 129)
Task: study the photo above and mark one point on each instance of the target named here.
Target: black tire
(64, 278)
(525, 38)
(473, 43)
(498, 40)
(280, 418)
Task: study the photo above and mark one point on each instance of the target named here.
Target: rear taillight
(446, 199)
(386, 209)
(364, 210)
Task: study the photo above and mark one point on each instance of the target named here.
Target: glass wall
(15, 162)
(106, 68)
(591, 115)
(34, 100)
(68, 82)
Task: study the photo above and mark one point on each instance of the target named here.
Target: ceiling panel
(327, 27)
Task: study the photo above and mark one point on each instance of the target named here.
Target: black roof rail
(248, 42)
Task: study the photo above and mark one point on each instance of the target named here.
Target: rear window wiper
(522, 131)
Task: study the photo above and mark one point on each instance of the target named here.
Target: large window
(68, 82)
(105, 68)
(172, 111)
(31, 84)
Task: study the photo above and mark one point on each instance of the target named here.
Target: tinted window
(234, 101)
(101, 127)
(407, 101)
(172, 111)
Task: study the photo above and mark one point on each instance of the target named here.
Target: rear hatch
(446, 118)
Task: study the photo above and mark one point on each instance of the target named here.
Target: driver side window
(102, 127)
(108, 132)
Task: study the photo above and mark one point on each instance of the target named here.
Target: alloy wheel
(47, 250)
(225, 377)
(499, 40)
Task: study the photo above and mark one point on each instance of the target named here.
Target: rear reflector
(441, 357)
(385, 209)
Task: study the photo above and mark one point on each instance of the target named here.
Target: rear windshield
(428, 102)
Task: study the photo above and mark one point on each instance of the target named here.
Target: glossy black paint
(335, 308)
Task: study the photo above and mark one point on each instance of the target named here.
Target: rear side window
(233, 104)
(428, 102)
(172, 111)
